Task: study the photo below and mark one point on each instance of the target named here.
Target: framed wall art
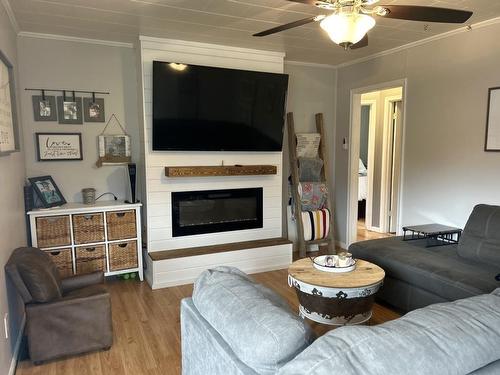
(59, 146)
(114, 149)
(9, 141)
(47, 191)
(69, 109)
(492, 142)
(93, 110)
(44, 108)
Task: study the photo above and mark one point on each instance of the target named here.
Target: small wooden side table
(335, 298)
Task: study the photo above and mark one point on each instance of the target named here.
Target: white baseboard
(17, 348)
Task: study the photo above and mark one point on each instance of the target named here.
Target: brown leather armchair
(63, 317)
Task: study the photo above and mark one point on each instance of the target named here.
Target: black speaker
(29, 204)
(29, 199)
(131, 183)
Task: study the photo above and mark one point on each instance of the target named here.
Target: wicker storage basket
(121, 225)
(53, 231)
(88, 228)
(90, 259)
(123, 256)
(63, 262)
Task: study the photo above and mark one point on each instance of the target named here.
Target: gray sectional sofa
(232, 325)
(417, 276)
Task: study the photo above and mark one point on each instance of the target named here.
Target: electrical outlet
(6, 325)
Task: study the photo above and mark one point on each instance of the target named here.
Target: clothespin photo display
(44, 107)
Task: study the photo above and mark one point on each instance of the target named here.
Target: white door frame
(387, 147)
(353, 163)
(371, 155)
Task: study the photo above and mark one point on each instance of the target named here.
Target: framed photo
(59, 146)
(492, 142)
(9, 137)
(44, 108)
(47, 190)
(69, 110)
(93, 110)
(114, 146)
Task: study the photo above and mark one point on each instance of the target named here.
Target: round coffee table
(335, 298)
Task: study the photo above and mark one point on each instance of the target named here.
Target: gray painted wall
(311, 90)
(63, 64)
(67, 64)
(446, 170)
(12, 222)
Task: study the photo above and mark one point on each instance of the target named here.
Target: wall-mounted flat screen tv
(200, 108)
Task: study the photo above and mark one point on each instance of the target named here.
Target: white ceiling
(229, 22)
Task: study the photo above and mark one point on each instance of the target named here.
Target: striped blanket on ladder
(316, 224)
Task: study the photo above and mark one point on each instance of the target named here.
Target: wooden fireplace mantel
(220, 170)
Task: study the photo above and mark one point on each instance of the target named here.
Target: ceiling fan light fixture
(347, 28)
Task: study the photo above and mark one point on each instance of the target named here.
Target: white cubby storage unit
(85, 238)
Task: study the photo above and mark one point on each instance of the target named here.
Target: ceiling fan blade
(427, 14)
(362, 43)
(310, 2)
(290, 25)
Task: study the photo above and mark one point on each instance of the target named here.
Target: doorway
(375, 166)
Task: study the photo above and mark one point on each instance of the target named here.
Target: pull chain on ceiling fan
(350, 20)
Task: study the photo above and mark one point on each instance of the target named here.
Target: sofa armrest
(78, 323)
(81, 281)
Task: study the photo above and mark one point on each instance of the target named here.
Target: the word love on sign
(59, 146)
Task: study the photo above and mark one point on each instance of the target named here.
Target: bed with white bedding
(363, 181)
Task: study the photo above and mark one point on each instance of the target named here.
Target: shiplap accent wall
(157, 195)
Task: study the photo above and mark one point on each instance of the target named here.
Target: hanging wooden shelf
(220, 170)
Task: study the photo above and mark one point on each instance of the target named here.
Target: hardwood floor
(364, 234)
(146, 327)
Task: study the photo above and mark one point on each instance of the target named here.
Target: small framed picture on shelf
(59, 146)
(47, 191)
(93, 110)
(69, 110)
(44, 108)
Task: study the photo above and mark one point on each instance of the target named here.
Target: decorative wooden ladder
(325, 177)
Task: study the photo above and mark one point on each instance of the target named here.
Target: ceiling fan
(350, 20)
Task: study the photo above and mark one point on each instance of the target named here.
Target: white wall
(311, 90)
(159, 188)
(12, 222)
(446, 170)
(71, 64)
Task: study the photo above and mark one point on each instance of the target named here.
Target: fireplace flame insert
(211, 211)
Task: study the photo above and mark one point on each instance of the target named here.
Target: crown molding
(310, 64)
(468, 28)
(10, 14)
(66, 38)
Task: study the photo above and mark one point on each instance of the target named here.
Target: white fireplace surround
(158, 188)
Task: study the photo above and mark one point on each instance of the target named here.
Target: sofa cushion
(480, 239)
(254, 321)
(438, 270)
(448, 338)
(39, 274)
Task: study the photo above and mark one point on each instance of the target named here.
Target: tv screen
(199, 108)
